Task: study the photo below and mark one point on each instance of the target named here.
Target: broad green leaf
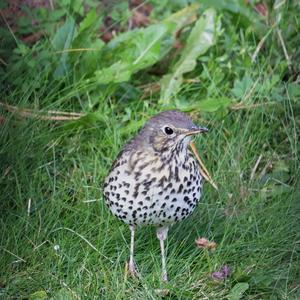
(242, 9)
(213, 104)
(293, 90)
(90, 59)
(55, 15)
(201, 38)
(141, 51)
(140, 48)
(238, 290)
(87, 32)
(131, 127)
(183, 17)
(88, 21)
(118, 72)
(235, 6)
(62, 41)
(131, 52)
(148, 47)
(241, 87)
(64, 294)
(86, 46)
(64, 36)
(38, 295)
(206, 105)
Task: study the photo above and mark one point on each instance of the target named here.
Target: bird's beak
(196, 131)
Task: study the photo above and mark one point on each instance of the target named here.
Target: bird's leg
(131, 265)
(162, 233)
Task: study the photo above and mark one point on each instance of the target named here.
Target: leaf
(86, 46)
(89, 60)
(64, 294)
(201, 38)
(206, 105)
(56, 15)
(38, 295)
(140, 48)
(118, 72)
(88, 21)
(213, 104)
(183, 17)
(241, 87)
(237, 291)
(131, 127)
(235, 6)
(87, 32)
(63, 37)
(293, 90)
(62, 41)
(246, 15)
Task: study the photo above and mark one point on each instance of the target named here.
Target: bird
(155, 179)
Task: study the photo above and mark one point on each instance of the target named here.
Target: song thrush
(155, 179)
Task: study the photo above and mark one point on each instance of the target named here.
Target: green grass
(58, 239)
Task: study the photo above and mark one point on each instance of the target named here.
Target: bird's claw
(131, 269)
(164, 277)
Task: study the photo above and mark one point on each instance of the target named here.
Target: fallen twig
(260, 45)
(33, 38)
(3, 62)
(203, 170)
(287, 57)
(15, 255)
(75, 50)
(58, 112)
(240, 105)
(255, 167)
(53, 115)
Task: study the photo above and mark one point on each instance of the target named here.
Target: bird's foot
(162, 292)
(131, 269)
(164, 277)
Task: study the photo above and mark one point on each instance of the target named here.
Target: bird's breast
(145, 189)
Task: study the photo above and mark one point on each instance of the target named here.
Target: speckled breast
(144, 190)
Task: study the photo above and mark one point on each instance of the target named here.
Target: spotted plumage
(155, 179)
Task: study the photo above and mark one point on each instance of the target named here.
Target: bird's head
(169, 130)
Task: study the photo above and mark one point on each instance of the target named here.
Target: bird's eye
(169, 130)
